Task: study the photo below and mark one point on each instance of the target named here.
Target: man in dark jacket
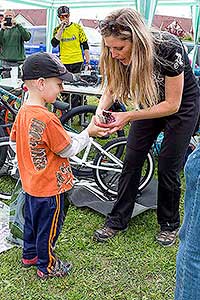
(12, 38)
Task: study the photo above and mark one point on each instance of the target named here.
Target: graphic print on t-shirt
(178, 60)
(38, 155)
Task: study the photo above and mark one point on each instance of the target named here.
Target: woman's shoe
(106, 233)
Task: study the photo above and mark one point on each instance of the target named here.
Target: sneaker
(106, 233)
(167, 238)
(60, 269)
(26, 263)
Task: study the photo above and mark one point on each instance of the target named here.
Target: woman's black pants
(178, 129)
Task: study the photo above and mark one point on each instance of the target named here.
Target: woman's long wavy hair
(135, 81)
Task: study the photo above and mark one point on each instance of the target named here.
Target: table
(82, 91)
(11, 82)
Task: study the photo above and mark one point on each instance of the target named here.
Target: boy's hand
(94, 130)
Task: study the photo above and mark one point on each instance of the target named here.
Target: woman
(151, 71)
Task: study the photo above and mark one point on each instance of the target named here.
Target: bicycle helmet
(62, 10)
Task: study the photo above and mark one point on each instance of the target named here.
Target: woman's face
(120, 49)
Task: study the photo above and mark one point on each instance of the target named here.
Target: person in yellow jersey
(71, 39)
(72, 42)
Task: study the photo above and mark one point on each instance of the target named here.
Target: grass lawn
(130, 267)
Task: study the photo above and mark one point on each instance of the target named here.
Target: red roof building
(179, 25)
(36, 17)
(173, 24)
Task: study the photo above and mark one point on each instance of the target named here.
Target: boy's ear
(41, 83)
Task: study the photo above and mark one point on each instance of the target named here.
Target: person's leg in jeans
(188, 256)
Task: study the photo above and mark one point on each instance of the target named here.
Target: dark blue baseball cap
(45, 65)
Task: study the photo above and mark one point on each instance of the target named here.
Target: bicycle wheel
(76, 120)
(9, 108)
(6, 182)
(109, 167)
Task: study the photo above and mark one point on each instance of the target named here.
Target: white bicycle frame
(76, 161)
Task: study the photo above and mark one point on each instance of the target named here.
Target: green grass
(130, 267)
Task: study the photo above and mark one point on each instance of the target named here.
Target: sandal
(104, 234)
(167, 238)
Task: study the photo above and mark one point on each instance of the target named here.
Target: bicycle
(106, 166)
(12, 96)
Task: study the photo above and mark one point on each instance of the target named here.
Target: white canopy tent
(145, 7)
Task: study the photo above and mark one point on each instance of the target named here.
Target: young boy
(42, 147)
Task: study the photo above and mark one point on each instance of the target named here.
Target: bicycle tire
(81, 111)
(6, 182)
(8, 185)
(77, 119)
(107, 180)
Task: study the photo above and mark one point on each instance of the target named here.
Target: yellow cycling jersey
(70, 48)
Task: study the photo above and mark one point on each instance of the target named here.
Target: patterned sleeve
(82, 35)
(55, 30)
(171, 54)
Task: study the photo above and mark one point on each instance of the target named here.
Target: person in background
(12, 38)
(151, 71)
(43, 148)
(188, 256)
(187, 262)
(73, 43)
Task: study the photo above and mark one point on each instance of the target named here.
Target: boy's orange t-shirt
(39, 135)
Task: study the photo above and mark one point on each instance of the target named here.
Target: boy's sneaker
(60, 269)
(26, 263)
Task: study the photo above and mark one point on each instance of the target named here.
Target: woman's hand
(121, 119)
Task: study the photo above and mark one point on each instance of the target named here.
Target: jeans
(188, 256)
